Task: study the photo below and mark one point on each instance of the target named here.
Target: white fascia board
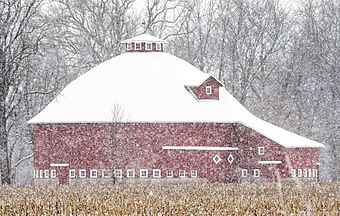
(270, 162)
(200, 148)
(60, 165)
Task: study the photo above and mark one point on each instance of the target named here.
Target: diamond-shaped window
(230, 158)
(216, 159)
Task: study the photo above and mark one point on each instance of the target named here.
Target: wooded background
(281, 61)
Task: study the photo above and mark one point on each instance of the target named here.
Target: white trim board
(200, 148)
(270, 162)
(60, 165)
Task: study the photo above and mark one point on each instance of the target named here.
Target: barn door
(62, 173)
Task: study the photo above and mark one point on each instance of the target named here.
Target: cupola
(144, 43)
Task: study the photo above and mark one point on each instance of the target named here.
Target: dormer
(207, 90)
(144, 43)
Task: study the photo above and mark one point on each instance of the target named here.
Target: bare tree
(89, 31)
(20, 34)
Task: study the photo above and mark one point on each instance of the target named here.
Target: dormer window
(128, 46)
(138, 46)
(208, 90)
(148, 46)
(158, 46)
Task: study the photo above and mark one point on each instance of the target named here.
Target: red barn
(149, 116)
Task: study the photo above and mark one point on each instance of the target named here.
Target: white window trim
(46, 173)
(53, 173)
(140, 45)
(208, 90)
(309, 173)
(299, 173)
(293, 173)
(218, 159)
(154, 171)
(120, 172)
(127, 173)
(316, 173)
(179, 173)
(36, 173)
(244, 173)
(80, 175)
(169, 171)
(146, 46)
(91, 173)
(141, 171)
(257, 173)
(72, 173)
(103, 174)
(193, 173)
(230, 158)
(128, 46)
(261, 150)
(41, 173)
(158, 46)
(305, 173)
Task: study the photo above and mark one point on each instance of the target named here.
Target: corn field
(187, 199)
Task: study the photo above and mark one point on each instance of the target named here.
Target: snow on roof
(144, 38)
(150, 87)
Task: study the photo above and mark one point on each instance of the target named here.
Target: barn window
(216, 159)
(143, 173)
(313, 173)
(93, 173)
(105, 174)
(148, 46)
(244, 173)
(41, 173)
(158, 46)
(208, 90)
(156, 173)
(293, 173)
(230, 159)
(82, 173)
(256, 173)
(53, 173)
(36, 173)
(309, 173)
(305, 173)
(169, 173)
(182, 173)
(46, 173)
(316, 172)
(193, 173)
(261, 150)
(300, 173)
(118, 173)
(72, 173)
(129, 46)
(138, 46)
(130, 173)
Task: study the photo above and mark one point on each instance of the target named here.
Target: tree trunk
(4, 157)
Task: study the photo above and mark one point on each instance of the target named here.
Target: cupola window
(138, 46)
(148, 46)
(129, 46)
(158, 46)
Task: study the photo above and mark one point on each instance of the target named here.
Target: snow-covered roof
(150, 87)
(144, 38)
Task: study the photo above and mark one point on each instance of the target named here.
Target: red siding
(200, 91)
(139, 146)
(143, 48)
